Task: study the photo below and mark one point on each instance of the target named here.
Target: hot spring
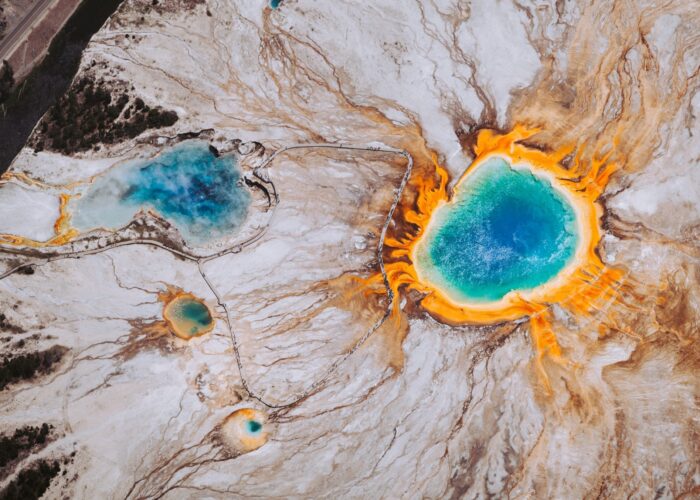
(187, 185)
(244, 430)
(506, 229)
(188, 317)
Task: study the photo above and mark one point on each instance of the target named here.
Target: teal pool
(197, 314)
(188, 317)
(254, 427)
(506, 229)
(198, 192)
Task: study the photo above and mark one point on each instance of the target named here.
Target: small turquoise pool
(188, 316)
(506, 229)
(196, 313)
(254, 427)
(187, 185)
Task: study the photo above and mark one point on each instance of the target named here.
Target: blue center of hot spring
(253, 426)
(507, 229)
(187, 185)
(196, 312)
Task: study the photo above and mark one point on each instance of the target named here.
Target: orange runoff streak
(63, 233)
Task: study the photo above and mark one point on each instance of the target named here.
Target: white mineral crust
(464, 415)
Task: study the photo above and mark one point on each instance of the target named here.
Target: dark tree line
(7, 80)
(23, 439)
(26, 366)
(3, 23)
(32, 482)
(90, 114)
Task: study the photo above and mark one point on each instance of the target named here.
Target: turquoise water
(187, 185)
(275, 3)
(506, 229)
(197, 313)
(188, 316)
(254, 427)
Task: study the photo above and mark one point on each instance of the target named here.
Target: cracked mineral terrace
(252, 322)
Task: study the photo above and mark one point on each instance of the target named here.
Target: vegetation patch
(26, 270)
(7, 326)
(3, 23)
(7, 80)
(161, 6)
(22, 441)
(27, 366)
(91, 113)
(32, 482)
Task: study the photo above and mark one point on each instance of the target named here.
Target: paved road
(8, 44)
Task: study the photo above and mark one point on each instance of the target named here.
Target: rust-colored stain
(63, 232)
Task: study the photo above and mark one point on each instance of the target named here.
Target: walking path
(202, 259)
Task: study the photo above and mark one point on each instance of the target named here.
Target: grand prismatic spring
(302, 249)
(505, 231)
(548, 256)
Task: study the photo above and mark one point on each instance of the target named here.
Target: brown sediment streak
(63, 232)
(582, 287)
(23, 178)
(158, 334)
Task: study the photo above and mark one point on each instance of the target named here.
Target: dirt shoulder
(11, 14)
